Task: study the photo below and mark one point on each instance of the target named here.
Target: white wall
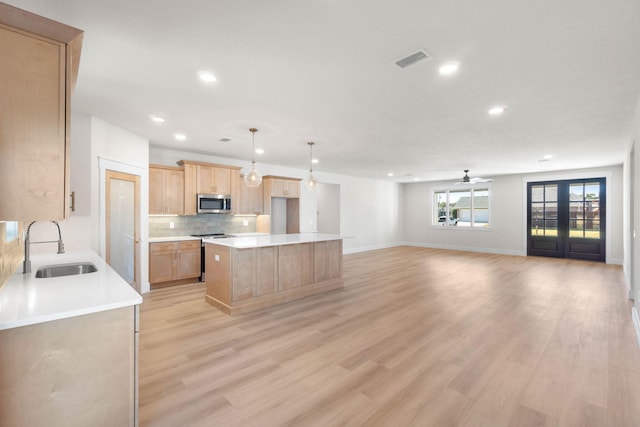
(369, 209)
(634, 222)
(114, 144)
(92, 139)
(508, 214)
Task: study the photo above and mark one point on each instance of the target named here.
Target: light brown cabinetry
(241, 280)
(281, 187)
(174, 262)
(38, 68)
(208, 178)
(78, 371)
(296, 265)
(255, 271)
(213, 180)
(166, 190)
(251, 199)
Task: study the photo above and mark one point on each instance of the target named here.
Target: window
(462, 208)
(10, 231)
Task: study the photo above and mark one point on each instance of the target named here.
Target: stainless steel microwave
(213, 203)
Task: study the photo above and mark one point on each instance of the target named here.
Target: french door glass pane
(544, 210)
(551, 227)
(551, 193)
(537, 193)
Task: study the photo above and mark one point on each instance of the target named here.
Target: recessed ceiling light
(180, 136)
(548, 156)
(497, 110)
(449, 68)
(259, 151)
(157, 119)
(315, 161)
(207, 76)
(390, 174)
(416, 179)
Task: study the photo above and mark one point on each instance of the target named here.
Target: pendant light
(311, 182)
(253, 178)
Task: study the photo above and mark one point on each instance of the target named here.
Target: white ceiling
(324, 71)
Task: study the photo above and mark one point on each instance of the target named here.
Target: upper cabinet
(250, 198)
(38, 70)
(166, 190)
(283, 187)
(277, 186)
(208, 178)
(213, 180)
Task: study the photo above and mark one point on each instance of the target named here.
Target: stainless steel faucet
(26, 266)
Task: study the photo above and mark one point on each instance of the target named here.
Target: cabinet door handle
(72, 196)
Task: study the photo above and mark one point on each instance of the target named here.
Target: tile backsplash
(159, 226)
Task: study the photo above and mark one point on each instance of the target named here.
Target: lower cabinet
(174, 262)
(78, 371)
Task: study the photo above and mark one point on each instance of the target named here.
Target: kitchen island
(249, 273)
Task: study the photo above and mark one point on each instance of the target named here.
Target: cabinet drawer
(190, 244)
(163, 246)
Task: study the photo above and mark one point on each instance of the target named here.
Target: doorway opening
(567, 219)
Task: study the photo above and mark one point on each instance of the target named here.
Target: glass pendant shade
(311, 183)
(253, 178)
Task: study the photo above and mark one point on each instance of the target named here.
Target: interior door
(122, 225)
(566, 219)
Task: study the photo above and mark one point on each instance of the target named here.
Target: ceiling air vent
(225, 139)
(421, 55)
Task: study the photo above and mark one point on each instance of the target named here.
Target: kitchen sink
(71, 269)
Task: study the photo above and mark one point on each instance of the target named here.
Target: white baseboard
(636, 323)
(371, 248)
(465, 248)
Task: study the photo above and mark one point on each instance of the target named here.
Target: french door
(566, 219)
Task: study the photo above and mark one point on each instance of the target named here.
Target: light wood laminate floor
(417, 337)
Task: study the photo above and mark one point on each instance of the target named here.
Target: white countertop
(25, 300)
(272, 240)
(172, 239)
(183, 238)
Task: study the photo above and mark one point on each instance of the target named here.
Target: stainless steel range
(207, 236)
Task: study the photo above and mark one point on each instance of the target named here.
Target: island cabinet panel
(295, 266)
(327, 260)
(218, 266)
(266, 270)
(244, 273)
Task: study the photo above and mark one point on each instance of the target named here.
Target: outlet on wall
(245, 223)
(172, 224)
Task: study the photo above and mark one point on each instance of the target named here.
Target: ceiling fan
(466, 179)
